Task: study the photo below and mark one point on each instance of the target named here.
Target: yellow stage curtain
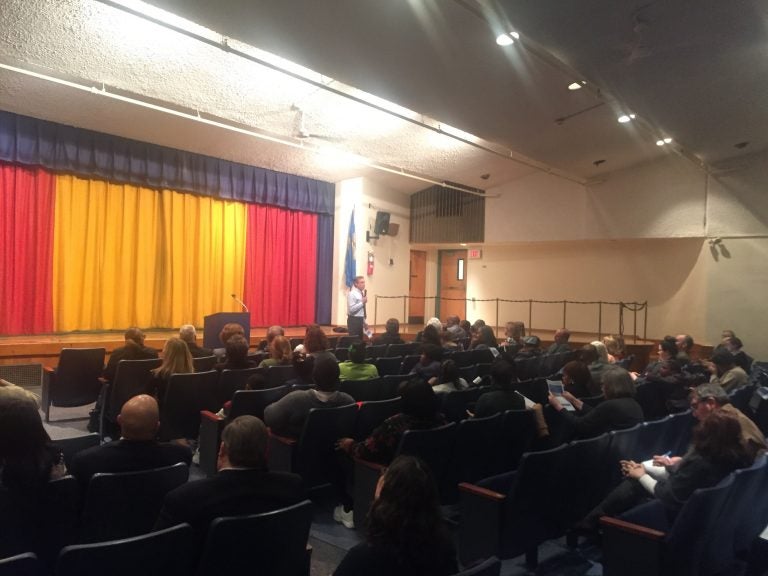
(131, 256)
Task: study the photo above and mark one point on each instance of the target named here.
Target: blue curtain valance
(26, 140)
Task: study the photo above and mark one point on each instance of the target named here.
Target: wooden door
(417, 287)
(453, 284)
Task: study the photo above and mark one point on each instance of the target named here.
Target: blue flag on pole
(350, 265)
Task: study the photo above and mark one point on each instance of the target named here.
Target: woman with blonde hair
(176, 360)
(280, 353)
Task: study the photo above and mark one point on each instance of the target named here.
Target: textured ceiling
(694, 71)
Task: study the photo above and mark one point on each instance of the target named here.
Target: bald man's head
(140, 418)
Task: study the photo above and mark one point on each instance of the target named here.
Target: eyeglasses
(695, 403)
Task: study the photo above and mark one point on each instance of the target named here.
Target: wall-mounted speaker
(393, 229)
(382, 223)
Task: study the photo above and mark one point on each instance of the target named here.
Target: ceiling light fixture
(574, 86)
(507, 39)
(663, 141)
(624, 118)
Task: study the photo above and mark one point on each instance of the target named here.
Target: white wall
(391, 253)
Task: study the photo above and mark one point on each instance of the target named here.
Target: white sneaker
(343, 517)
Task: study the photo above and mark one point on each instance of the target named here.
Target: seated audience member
(502, 395)
(740, 358)
(242, 486)
(188, 334)
(431, 335)
(485, 339)
(454, 329)
(725, 373)
(531, 348)
(137, 449)
(272, 332)
(391, 334)
(448, 343)
(237, 354)
(684, 344)
(589, 356)
(28, 461)
(303, 366)
(435, 322)
(467, 327)
(419, 412)
(316, 344)
(667, 350)
(405, 533)
(560, 345)
(177, 359)
(715, 452)
(619, 409)
(449, 379)
(514, 332)
(356, 367)
(428, 365)
(577, 379)
(134, 349)
(227, 331)
(615, 348)
(287, 416)
(280, 353)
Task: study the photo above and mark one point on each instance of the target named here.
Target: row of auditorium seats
(271, 543)
(512, 513)
(713, 534)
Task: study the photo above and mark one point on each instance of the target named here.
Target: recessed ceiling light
(663, 141)
(667, 140)
(574, 86)
(507, 39)
(624, 118)
(659, 142)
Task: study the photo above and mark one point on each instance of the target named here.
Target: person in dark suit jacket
(134, 349)
(242, 486)
(188, 333)
(136, 450)
(392, 334)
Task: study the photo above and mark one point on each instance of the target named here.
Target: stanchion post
(530, 315)
(564, 314)
(600, 320)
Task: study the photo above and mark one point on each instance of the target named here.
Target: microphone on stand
(236, 299)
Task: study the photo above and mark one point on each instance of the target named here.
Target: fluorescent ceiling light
(457, 133)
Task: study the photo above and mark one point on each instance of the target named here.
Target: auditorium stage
(45, 348)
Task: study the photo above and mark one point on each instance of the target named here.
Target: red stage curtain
(26, 220)
(280, 266)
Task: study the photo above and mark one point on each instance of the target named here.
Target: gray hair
(188, 333)
(714, 391)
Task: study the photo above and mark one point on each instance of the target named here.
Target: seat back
(124, 504)
(533, 509)
(678, 432)
(168, 552)
(279, 375)
(408, 363)
(477, 449)
(463, 358)
(489, 567)
(741, 396)
(363, 390)
(482, 356)
(342, 354)
(204, 363)
(390, 385)
(185, 396)
(21, 565)
(650, 439)
(71, 446)
(75, 382)
(623, 447)
(387, 365)
(744, 516)
(404, 349)
(586, 478)
(372, 413)
(454, 404)
(315, 455)
(533, 388)
(435, 447)
(376, 351)
(230, 381)
(132, 377)
(528, 368)
(347, 341)
(270, 543)
(518, 432)
(253, 402)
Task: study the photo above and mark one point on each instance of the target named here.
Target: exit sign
(474, 253)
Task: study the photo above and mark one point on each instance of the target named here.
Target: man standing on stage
(356, 300)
